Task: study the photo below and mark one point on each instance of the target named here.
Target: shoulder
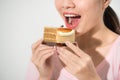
(114, 60)
(116, 51)
(116, 45)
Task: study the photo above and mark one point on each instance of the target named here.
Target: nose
(67, 4)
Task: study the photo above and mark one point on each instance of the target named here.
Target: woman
(97, 55)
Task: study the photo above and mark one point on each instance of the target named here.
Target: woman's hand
(77, 62)
(42, 58)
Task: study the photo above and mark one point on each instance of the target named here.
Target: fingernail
(55, 47)
(67, 42)
(58, 48)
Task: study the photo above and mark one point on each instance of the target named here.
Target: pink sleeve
(32, 72)
(65, 75)
(119, 74)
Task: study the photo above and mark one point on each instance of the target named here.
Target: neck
(97, 43)
(95, 38)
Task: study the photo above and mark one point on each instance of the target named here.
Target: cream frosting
(66, 33)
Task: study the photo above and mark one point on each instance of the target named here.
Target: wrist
(97, 77)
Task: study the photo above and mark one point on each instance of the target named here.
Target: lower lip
(72, 26)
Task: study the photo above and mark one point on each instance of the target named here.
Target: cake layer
(50, 34)
(50, 29)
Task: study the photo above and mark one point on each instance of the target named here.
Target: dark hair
(111, 20)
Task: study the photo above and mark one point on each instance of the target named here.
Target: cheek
(59, 7)
(91, 16)
(58, 4)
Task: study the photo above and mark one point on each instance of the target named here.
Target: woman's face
(81, 15)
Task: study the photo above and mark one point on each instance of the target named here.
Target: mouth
(72, 20)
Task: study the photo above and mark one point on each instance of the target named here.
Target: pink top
(108, 69)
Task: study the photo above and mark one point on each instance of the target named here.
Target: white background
(21, 24)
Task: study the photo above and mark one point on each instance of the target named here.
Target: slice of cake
(58, 35)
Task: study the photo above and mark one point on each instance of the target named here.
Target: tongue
(73, 22)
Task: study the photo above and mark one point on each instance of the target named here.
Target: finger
(76, 44)
(75, 49)
(68, 53)
(66, 56)
(38, 57)
(45, 57)
(40, 48)
(63, 59)
(40, 53)
(36, 44)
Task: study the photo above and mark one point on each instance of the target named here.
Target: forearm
(96, 77)
(44, 78)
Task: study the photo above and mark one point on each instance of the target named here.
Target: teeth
(69, 20)
(69, 15)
